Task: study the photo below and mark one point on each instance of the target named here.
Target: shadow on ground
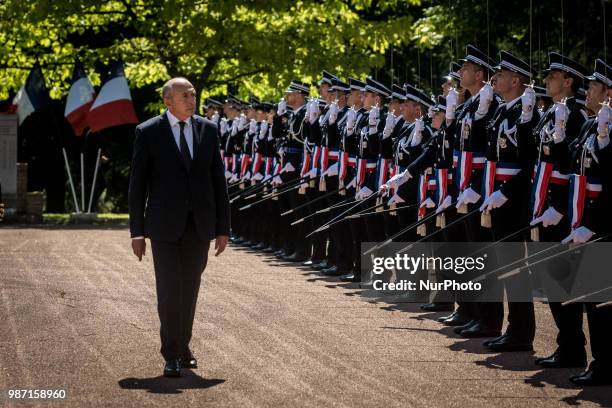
(165, 385)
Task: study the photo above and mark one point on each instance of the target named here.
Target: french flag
(80, 99)
(113, 106)
(32, 96)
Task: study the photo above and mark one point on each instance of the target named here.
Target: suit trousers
(178, 270)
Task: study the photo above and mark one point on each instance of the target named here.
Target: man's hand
(139, 246)
(220, 244)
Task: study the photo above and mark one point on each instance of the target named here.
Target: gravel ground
(78, 312)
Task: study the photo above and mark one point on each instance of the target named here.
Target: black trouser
(521, 317)
(178, 269)
(318, 242)
(568, 318)
(340, 251)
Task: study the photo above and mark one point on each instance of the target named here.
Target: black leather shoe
(480, 330)
(450, 316)
(457, 319)
(438, 307)
(173, 368)
(459, 329)
(321, 265)
(239, 240)
(333, 271)
(295, 257)
(487, 343)
(269, 250)
(189, 362)
(592, 377)
(507, 343)
(349, 277)
(259, 246)
(281, 254)
(247, 243)
(307, 263)
(558, 360)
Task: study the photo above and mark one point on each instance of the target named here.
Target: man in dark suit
(178, 199)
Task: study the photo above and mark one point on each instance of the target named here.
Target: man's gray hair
(168, 86)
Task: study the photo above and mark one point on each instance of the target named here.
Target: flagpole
(74, 197)
(82, 179)
(93, 183)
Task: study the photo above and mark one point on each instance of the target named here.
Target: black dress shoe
(295, 257)
(450, 316)
(559, 360)
(349, 277)
(321, 265)
(173, 368)
(592, 377)
(259, 246)
(307, 263)
(507, 343)
(459, 329)
(487, 343)
(281, 254)
(457, 319)
(269, 250)
(438, 307)
(333, 271)
(247, 243)
(189, 362)
(239, 240)
(480, 330)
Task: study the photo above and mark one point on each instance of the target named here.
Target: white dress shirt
(176, 131)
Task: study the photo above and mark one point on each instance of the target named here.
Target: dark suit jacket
(162, 191)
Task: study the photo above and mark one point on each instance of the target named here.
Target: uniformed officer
(590, 163)
(510, 156)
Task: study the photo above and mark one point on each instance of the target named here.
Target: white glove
(277, 181)
(417, 137)
(331, 170)
(234, 178)
(397, 180)
(561, 115)
(353, 183)
(257, 177)
(430, 112)
(445, 204)
(223, 125)
(451, 104)
(228, 174)
(215, 117)
(351, 118)
(282, 107)
(579, 236)
(428, 203)
(313, 111)
(604, 118)
(396, 199)
(252, 126)
(288, 168)
(312, 173)
(548, 217)
(363, 193)
(373, 116)
(242, 122)
(485, 98)
(263, 130)
(333, 113)
(389, 125)
(468, 196)
(528, 100)
(247, 176)
(234, 127)
(495, 200)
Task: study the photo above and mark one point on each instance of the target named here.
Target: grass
(103, 218)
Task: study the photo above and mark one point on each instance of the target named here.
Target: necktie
(184, 147)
